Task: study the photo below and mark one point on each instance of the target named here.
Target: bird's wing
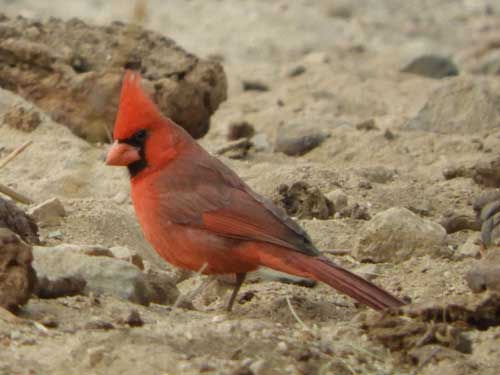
(203, 192)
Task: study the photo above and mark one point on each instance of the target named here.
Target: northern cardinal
(199, 215)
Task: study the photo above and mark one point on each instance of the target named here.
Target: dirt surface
(392, 139)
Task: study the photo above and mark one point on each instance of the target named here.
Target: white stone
(397, 234)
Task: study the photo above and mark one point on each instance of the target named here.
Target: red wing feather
(199, 190)
(248, 219)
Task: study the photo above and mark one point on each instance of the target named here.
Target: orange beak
(122, 154)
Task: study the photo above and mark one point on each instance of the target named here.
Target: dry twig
(15, 195)
(14, 153)
(7, 190)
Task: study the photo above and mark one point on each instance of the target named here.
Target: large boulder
(103, 274)
(73, 71)
(461, 105)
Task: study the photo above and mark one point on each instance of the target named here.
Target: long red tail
(346, 282)
(321, 269)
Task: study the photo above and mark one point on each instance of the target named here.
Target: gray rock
(471, 248)
(432, 66)
(164, 285)
(338, 198)
(397, 234)
(456, 171)
(295, 71)
(48, 213)
(260, 142)
(61, 287)
(103, 275)
(457, 221)
(461, 105)
(298, 144)
(485, 274)
(482, 277)
(357, 211)
(365, 185)
(487, 171)
(124, 253)
(367, 125)
(17, 277)
(368, 271)
(378, 174)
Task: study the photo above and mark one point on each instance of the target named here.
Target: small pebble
(48, 213)
(250, 85)
(206, 367)
(15, 335)
(218, 319)
(389, 135)
(57, 235)
(365, 185)
(28, 342)
(50, 322)
(299, 145)
(282, 346)
(260, 142)
(99, 324)
(241, 129)
(120, 197)
(296, 71)
(367, 125)
(134, 319)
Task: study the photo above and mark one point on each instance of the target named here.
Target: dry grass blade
(14, 153)
(7, 190)
(297, 318)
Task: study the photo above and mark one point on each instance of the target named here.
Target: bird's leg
(240, 278)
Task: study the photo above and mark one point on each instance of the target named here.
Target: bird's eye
(140, 136)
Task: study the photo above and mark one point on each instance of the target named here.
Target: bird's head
(143, 138)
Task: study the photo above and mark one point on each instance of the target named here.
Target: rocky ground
(374, 123)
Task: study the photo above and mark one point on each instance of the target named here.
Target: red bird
(199, 215)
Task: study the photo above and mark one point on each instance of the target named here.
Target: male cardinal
(199, 215)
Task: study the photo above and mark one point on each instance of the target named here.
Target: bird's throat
(137, 166)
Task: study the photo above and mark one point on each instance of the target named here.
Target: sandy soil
(351, 54)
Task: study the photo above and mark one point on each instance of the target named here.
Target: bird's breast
(182, 245)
